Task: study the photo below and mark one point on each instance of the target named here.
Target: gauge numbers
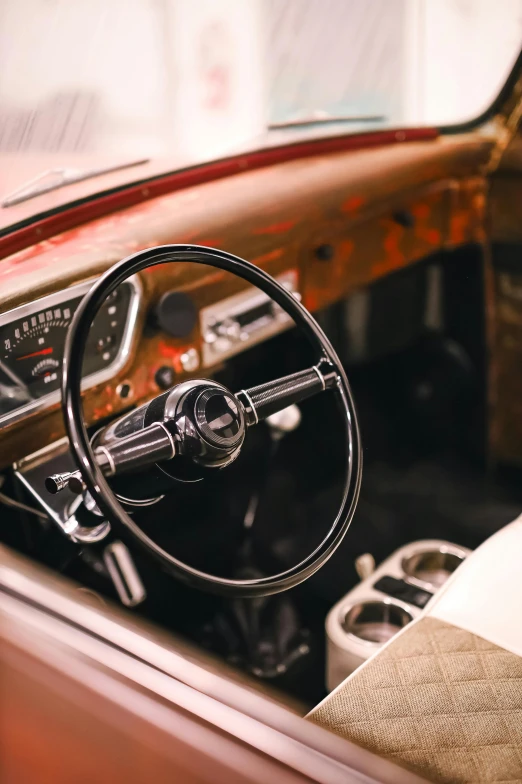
(31, 347)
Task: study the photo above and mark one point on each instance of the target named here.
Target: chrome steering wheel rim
(92, 475)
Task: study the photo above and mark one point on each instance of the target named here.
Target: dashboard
(324, 226)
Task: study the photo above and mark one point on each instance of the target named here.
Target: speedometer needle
(40, 353)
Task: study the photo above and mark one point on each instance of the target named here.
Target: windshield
(112, 82)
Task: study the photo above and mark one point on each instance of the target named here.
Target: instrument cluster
(32, 340)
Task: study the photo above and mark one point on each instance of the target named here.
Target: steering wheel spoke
(264, 400)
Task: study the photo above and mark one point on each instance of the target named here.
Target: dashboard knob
(176, 314)
(190, 360)
(165, 377)
(229, 328)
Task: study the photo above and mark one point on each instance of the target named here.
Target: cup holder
(374, 621)
(431, 568)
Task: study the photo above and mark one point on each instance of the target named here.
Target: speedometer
(32, 340)
(32, 349)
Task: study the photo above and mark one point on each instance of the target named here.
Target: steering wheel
(203, 421)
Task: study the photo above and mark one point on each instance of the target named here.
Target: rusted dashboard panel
(365, 250)
(337, 222)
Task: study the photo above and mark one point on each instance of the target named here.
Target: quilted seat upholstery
(438, 700)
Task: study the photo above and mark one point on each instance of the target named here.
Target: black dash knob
(176, 314)
(164, 377)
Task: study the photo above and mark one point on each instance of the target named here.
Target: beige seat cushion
(439, 700)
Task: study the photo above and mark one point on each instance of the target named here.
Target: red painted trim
(104, 203)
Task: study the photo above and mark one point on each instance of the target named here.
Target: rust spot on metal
(210, 279)
(421, 211)
(395, 257)
(168, 352)
(275, 228)
(353, 204)
(271, 256)
(432, 236)
(311, 301)
(346, 249)
(459, 223)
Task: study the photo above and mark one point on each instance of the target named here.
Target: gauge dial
(31, 347)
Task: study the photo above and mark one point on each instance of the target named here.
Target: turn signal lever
(139, 450)
(199, 419)
(152, 445)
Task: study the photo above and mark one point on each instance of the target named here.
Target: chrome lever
(124, 575)
(58, 482)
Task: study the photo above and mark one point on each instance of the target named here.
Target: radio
(241, 321)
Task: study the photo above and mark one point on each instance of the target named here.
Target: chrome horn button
(219, 418)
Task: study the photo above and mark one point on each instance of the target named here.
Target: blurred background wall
(198, 78)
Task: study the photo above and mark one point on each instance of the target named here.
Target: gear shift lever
(263, 634)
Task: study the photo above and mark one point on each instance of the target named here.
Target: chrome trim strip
(170, 437)
(109, 459)
(42, 455)
(320, 376)
(45, 401)
(239, 304)
(252, 406)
